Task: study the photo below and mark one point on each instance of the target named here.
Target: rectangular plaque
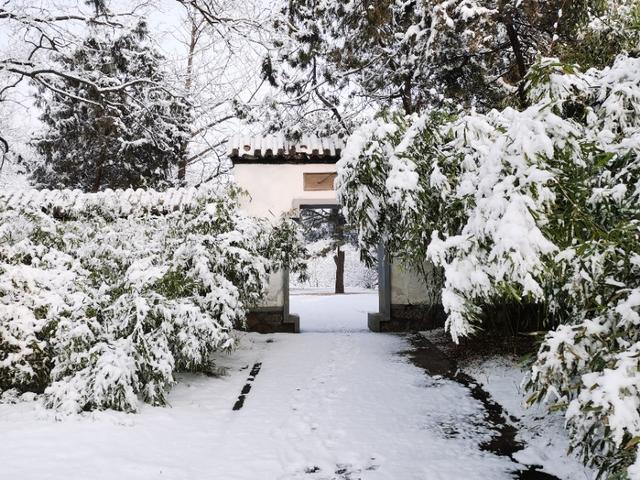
(318, 181)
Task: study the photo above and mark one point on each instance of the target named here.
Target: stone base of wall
(408, 318)
(267, 320)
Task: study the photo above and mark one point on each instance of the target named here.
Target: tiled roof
(277, 149)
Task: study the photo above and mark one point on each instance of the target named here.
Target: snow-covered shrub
(286, 247)
(37, 288)
(98, 308)
(534, 206)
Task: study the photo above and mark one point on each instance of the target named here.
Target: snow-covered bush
(534, 206)
(98, 308)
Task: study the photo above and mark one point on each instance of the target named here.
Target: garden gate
(282, 176)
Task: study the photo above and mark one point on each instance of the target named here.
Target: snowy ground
(542, 432)
(320, 312)
(325, 405)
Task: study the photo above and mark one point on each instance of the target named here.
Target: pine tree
(98, 137)
(329, 224)
(335, 62)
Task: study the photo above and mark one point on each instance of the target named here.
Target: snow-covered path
(320, 312)
(325, 405)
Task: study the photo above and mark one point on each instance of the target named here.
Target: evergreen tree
(329, 224)
(98, 137)
(334, 63)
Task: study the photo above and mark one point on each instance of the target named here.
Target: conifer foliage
(335, 62)
(96, 137)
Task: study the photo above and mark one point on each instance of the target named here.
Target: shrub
(100, 306)
(534, 206)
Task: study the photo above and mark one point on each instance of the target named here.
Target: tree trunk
(3, 152)
(97, 181)
(407, 101)
(339, 260)
(506, 16)
(195, 33)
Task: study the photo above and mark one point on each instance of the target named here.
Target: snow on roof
(277, 149)
(116, 202)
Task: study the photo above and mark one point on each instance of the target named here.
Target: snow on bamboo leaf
(103, 298)
(540, 205)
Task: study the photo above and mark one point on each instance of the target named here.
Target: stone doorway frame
(383, 269)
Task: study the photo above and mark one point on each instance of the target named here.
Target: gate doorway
(281, 177)
(339, 291)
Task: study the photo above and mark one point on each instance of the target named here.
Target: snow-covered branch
(532, 206)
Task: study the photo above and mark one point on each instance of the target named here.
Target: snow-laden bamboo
(104, 296)
(540, 205)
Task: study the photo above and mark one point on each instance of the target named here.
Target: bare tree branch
(201, 154)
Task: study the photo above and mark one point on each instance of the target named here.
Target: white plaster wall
(409, 288)
(273, 190)
(277, 188)
(275, 291)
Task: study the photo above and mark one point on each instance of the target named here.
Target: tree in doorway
(328, 224)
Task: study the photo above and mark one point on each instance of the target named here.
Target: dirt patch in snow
(494, 366)
(483, 346)
(247, 386)
(504, 440)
